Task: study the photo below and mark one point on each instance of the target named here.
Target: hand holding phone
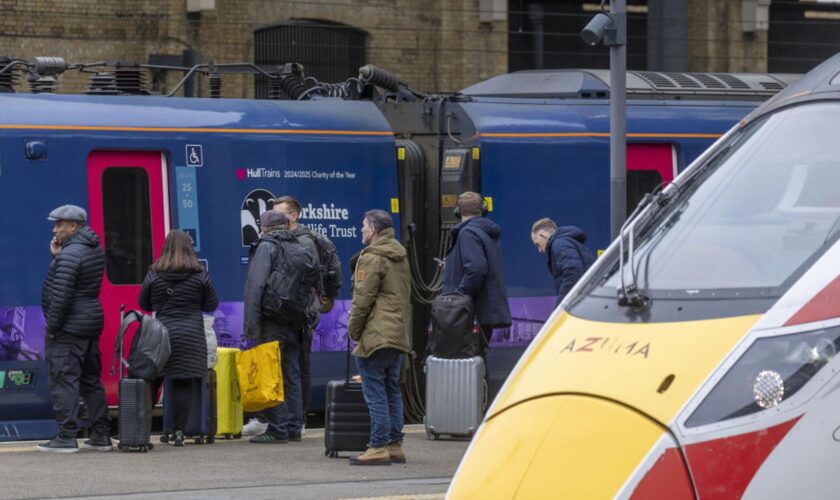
(55, 246)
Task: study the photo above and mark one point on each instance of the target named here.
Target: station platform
(230, 469)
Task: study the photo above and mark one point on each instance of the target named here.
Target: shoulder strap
(315, 240)
(127, 320)
(168, 295)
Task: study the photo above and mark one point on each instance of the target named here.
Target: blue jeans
(287, 417)
(381, 387)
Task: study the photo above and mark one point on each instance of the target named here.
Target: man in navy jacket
(568, 258)
(474, 264)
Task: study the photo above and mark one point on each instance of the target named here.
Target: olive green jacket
(381, 312)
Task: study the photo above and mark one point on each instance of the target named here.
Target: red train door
(648, 165)
(129, 210)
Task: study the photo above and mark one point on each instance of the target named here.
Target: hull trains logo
(257, 202)
(258, 173)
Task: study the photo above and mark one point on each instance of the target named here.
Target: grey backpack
(150, 349)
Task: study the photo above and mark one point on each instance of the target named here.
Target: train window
(639, 183)
(128, 224)
(772, 370)
(757, 211)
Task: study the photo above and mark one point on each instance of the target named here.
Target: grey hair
(379, 219)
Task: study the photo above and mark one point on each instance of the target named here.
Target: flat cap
(68, 212)
(271, 218)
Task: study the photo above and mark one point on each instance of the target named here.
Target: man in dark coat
(73, 313)
(568, 258)
(474, 264)
(285, 420)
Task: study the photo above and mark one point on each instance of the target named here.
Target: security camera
(597, 29)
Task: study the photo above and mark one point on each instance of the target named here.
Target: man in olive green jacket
(380, 325)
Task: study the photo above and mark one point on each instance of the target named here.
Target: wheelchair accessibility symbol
(195, 157)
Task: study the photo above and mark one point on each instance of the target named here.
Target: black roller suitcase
(201, 424)
(135, 415)
(346, 420)
(135, 399)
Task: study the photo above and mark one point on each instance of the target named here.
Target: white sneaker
(303, 430)
(254, 428)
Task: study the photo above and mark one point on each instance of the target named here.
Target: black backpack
(453, 333)
(295, 273)
(330, 265)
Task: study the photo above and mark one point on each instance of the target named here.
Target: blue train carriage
(143, 165)
(536, 144)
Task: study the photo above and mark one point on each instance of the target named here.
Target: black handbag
(454, 333)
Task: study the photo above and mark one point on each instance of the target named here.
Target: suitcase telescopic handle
(347, 361)
(117, 358)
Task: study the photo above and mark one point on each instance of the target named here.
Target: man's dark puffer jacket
(70, 297)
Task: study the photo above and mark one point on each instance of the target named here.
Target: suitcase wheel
(151, 446)
(199, 440)
(211, 439)
(432, 436)
(331, 453)
(164, 438)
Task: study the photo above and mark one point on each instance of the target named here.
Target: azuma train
(698, 357)
(534, 144)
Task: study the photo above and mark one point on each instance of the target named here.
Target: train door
(648, 166)
(129, 210)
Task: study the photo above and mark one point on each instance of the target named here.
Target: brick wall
(433, 45)
(717, 42)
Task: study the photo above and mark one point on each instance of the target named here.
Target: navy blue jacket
(568, 258)
(474, 266)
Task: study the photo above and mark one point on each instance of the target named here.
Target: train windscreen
(755, 213)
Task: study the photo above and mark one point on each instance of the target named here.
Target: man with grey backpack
(282, 276)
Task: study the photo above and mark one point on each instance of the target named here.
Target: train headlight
(768, 389)
(770, 371)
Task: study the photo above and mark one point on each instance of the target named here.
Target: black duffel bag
(454, 334)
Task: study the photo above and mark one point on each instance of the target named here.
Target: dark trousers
(487, 333)
(181, 399)
(75, 365)
(305, 374)
(287, 418)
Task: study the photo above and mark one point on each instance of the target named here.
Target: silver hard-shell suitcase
(456, 393)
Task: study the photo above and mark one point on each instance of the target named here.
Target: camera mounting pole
(611, 29)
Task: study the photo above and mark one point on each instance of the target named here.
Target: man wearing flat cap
(278, 258)
(73, 314)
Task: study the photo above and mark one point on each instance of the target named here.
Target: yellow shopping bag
(260, 378)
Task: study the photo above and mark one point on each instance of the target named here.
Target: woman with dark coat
(177, 289)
